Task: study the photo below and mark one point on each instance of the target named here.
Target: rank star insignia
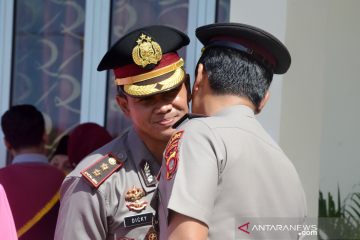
(134, 194)
(97, 173)
(104, 167)
(101, 169)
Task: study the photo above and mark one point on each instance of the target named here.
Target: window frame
(6, 42)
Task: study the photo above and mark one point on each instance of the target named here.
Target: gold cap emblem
(146, 52)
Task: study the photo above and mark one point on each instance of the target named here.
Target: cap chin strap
(155, 88)
(237, 47)
(149, 75)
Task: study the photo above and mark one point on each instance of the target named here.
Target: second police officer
(224, 167)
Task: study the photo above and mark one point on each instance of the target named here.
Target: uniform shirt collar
(241, 110)
(140, 152)
(30, 158)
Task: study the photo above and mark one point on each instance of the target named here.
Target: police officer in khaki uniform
(107, 195)
(226, 166)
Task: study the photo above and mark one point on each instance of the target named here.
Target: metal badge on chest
(134, 195)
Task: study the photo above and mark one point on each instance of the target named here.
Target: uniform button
(120, 155)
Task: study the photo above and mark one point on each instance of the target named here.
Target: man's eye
(145, 99)
(173, 92)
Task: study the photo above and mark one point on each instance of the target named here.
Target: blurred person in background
(85, 139)
(32, 185)
(60, 158)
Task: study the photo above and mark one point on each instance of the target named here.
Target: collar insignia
(147, 173)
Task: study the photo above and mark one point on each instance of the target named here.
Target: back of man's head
(23, 127)
(232, 73)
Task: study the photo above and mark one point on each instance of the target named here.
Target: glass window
(47, 61)
(127, 16)
(222, 11)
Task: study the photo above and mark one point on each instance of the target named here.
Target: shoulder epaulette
(187, 116)
(102, 169)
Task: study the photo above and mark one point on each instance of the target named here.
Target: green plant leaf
(356, 211)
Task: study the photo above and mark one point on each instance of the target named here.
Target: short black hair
(23, 126)
(232, 73)
(120, 92)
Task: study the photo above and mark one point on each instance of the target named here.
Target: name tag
(138, 219)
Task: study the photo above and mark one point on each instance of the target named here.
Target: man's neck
(215, 103)
(156, 147)
(37, 150)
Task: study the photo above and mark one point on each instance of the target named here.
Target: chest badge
(147, 173)
(134, 195)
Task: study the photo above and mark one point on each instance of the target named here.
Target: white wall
(270, 16)
(292, 117)
(320, 101)
(303, 87)
(340, 145)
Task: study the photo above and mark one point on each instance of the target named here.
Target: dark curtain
(47, 61)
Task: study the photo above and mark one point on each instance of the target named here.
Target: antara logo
(247, 227)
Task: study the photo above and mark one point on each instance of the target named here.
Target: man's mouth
(166, 122)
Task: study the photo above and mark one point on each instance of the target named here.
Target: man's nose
(164, 108)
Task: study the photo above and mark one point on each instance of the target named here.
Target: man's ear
(44, 137)
(199, 81)
(188, 89)
(124, 105)
(262, 103)
(7, 145)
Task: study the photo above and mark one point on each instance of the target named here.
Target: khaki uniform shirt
(228, 167)
(98, 213)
